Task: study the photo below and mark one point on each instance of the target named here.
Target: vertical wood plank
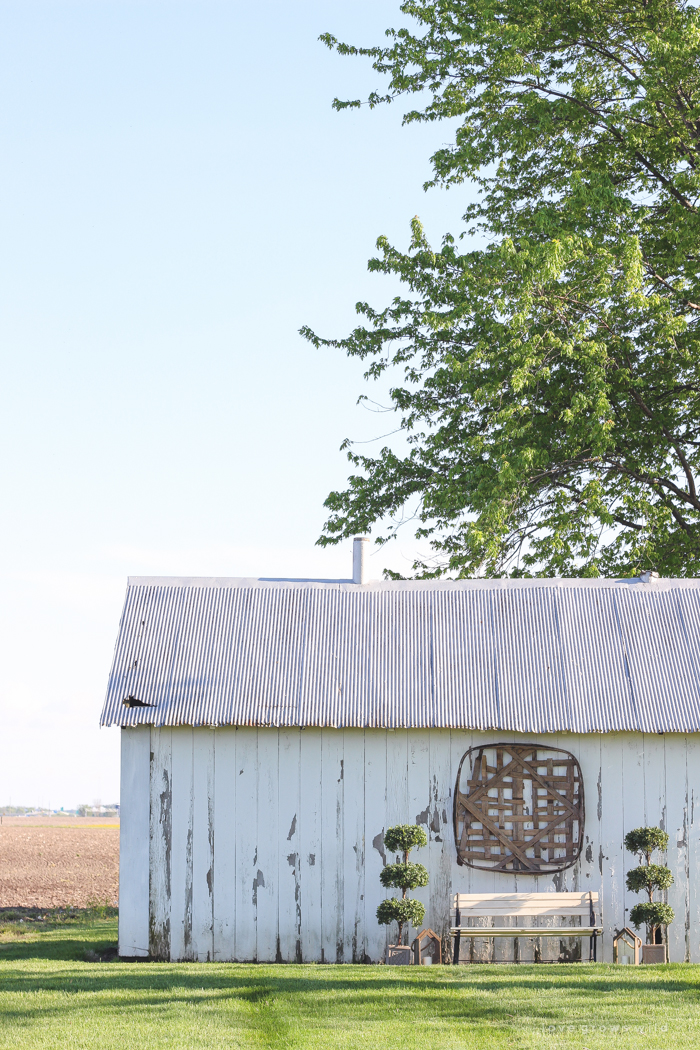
(310, 844)
(354, 845)
(375, 854)
(440, 837)
(245, 831)
(505, 949)
(654, 780)
(588, 752)
(160, 842)
(692, 918)
(472, 880)
(464, 878)
(528, 949)
(420, 804)
(332, 831)
(203, 845)
(398, 809)
(634, 817)
(585, 875)
(655, 807)
(268, 846)
(182, 825)
(225, 776)
(462, 875)
(289, 871)
(676, 820)
(134, 837)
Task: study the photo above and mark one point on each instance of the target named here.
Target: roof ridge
(492, 583)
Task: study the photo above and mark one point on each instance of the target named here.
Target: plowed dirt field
(58, 863)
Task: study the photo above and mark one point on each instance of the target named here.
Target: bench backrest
(492, 905)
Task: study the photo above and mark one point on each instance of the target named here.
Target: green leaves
(400, 910)
(546, 377)
(645, 840)
(651, 914)
(649, 877)
(405, 876)
(402, 838)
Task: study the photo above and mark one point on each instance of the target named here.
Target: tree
(649, 877)
(403, 875)
(547, 375)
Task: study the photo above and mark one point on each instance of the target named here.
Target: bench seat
(526, 931)
(497, 906)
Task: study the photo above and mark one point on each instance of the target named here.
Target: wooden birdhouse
(427, 948)
(627, 947)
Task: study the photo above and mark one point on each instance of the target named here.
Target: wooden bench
(497, 906)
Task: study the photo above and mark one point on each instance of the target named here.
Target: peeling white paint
(266, 844)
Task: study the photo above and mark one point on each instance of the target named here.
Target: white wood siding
(266, 844)
(133, 842)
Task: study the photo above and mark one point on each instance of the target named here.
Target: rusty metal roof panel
(530, 656)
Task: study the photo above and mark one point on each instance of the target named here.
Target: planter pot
(399, 955)
(653, 953)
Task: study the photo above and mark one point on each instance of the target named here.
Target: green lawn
(51, 995)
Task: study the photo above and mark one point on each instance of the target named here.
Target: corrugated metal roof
(521, 655)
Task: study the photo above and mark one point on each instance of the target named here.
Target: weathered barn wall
(266, 844)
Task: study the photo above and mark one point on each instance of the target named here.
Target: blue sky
(177, 198)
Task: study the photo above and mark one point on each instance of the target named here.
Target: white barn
(291, 722)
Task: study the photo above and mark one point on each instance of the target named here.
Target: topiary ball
(649, 877)
(651, 914)
(404, 837)
(404, 876)
(401, 910)
(646, 840)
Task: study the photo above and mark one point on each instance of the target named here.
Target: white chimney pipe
(359, 559)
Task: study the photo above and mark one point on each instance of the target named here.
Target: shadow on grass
(102, 971)
(276, 998)
(60, 935)
(277, 1004)
(308, 999)
(480, 992)
(55, 915)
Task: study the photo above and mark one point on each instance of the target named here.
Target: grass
(54, 993)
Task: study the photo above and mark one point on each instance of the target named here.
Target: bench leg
(455, 950)
(593, 949)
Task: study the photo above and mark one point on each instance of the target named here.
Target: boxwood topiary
(649, 877)
(403, 875)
